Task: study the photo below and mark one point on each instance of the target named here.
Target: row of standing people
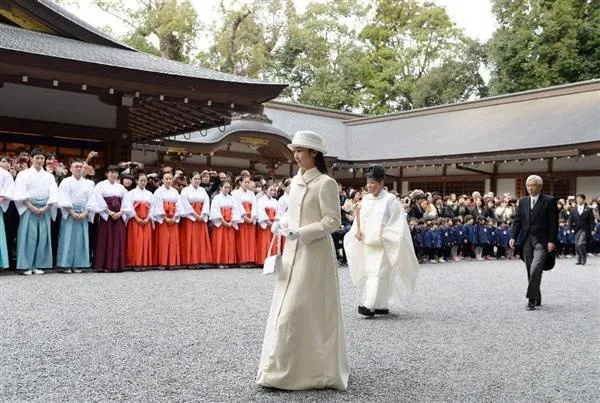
(135, 229)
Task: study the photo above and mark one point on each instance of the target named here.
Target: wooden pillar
(494, 179)
(123, 145)
(550, 168)
(443, 179)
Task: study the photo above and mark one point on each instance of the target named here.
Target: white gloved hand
(292, 234)
(276, 228)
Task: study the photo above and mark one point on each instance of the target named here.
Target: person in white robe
(7, 184)
(267, 216)
(166, 210)
(194, 238)
(35, 196)
(305, 344)
(140, 227)
(379, 248)
(74, 194)
(225, 218)
(109, 254)
(245, 236)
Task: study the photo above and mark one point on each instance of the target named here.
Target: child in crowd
(470, 237)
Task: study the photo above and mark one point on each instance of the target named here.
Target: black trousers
(534, 254)
(581, 246)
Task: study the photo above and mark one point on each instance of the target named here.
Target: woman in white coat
(305, 344)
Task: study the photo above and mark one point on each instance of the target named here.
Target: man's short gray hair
(535, 178)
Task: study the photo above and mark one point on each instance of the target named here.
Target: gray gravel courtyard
(185, 335)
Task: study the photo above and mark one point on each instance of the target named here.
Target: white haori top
(7, 186)
(104, 189)
(242, 196)
(197, 195)
(385, 227)
(75, 192)
(264, 203)
(219, 201)
(136, 195)
(34, 184)
(283, 205)
(162, 195)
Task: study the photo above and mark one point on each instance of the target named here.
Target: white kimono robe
(135, 195)
(103, 189)
(282, 205)
(73, 192)
(73, 241)
(384, 262)
(199, 195)
(162, 195)
(241, 196)
(220, 200)
(33, 184)
(6, 188)
(263, 203)
(7, 184)
(305, 344)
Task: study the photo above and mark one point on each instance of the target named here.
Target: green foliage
(417, 57)
(320, 57)
(163, 27)
(541, 43)
(247, 36)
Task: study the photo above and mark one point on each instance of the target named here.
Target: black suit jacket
(584, 222)
(541, 222)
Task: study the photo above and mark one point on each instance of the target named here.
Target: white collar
(310, 174)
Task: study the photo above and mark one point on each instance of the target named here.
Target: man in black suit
(581, 223)
(536, 226)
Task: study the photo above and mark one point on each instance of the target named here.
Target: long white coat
(305, 343)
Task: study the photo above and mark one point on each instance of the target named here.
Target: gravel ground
(464, 335)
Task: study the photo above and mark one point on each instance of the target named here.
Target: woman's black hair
(113, 168)
(320, 162)
(37, 151)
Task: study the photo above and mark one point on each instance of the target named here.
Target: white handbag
(273, 263)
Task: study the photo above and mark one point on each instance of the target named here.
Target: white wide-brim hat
(307, 139)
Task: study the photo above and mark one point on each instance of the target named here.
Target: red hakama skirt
(140, 238)
(245, 239)
(263, 238)
(195, 243)
(167, 240)
(223, 240)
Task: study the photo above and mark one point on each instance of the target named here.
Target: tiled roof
(331, 128)
(215, 135)
(21, 40)
(516, 123)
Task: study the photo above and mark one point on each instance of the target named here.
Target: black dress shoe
(382, 311)
(531, 305)
(578, 263)
(363, 310)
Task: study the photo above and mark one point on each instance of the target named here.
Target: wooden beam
(477, 171)
(44, 128)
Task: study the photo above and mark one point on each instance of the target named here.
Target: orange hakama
(195, 243)
(245, 238)
(167, 239)
(264, 236)
(223, 239)
(140, 238)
